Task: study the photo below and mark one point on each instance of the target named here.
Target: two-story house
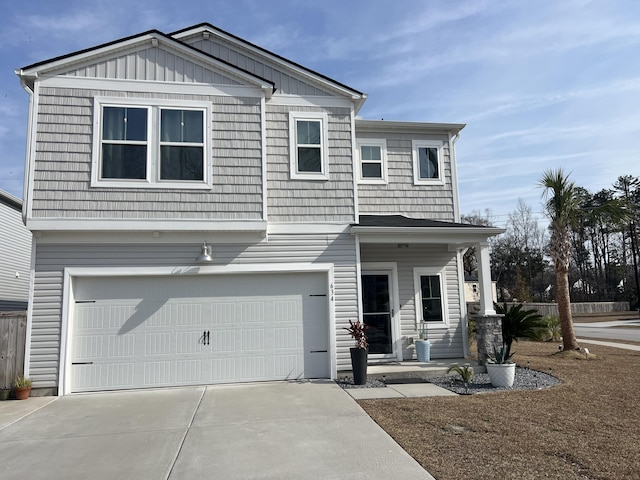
(206, 211)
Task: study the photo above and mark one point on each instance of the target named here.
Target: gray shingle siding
(310, 200)
(62, 174)
(400, 195)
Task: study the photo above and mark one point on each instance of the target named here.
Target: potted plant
(4, 393)
(501, 370)
(359, 352)
(22, 388)
(423, 345)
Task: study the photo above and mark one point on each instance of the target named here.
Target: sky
(540, 84)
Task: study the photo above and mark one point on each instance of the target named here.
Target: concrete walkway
(280, 430)
(625, 346)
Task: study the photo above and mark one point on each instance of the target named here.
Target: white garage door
(135, 332)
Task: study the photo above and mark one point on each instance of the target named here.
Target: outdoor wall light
(205, 255)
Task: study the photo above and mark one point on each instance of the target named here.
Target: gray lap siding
(51, 260)
(63, 162)
(445, 343)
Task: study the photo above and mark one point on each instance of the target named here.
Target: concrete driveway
(280, 430)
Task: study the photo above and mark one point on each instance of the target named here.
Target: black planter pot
(359, 365)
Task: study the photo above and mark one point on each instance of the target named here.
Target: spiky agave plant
(465, 372)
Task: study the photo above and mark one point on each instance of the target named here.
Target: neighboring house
(472, 290)
(15, 264)
(142, 149)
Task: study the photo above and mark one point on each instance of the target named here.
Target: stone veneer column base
(488, 332)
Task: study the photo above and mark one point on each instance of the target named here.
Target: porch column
(484, 279)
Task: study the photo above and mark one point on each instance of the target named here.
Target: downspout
(454, 176)
(464, 319)
(460, 252)
(26, 200)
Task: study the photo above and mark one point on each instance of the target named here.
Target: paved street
(611, 330)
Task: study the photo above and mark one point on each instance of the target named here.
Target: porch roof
(401, 229)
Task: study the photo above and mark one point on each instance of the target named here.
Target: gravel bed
(525, 379)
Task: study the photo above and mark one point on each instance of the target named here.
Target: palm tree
(562, 206)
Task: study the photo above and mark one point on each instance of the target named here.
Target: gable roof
(63, 62)
(59, 63)
(289, 64)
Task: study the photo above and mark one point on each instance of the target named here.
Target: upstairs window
(308, 152)
(427, 163)
(124, 142)
(181, 144)
(151, 144)
(373, 161)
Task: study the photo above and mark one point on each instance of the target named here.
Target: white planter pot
(501, 375)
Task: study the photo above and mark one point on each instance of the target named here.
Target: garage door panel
(150, 331)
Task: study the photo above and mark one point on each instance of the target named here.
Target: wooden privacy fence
(551, 309)
(13, 334)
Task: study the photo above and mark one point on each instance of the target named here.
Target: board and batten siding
(63, 162)
(290, 200)
(445, 343)
(286, 83)
(152, 64)
(15, 259)
(400, 195)
(51, 259)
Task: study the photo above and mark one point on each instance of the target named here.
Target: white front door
(133, 332)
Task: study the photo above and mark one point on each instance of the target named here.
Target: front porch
(412, 286)
(414, 369)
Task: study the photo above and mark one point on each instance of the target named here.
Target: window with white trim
(372, 155)
(150, 143)
(308, 149)
(430, 297)
(427, 162)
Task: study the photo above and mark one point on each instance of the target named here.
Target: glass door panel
(377, 312)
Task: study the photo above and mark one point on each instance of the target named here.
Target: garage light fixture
(205, 255)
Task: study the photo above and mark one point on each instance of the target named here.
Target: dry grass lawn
(586, 428)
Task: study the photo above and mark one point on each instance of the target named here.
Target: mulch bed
(586, 428)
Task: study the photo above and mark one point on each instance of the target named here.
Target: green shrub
(518, 323)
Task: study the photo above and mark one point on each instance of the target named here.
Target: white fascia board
(184, 270)
(407, 127)
(308, 228)
(431, 235)
(309, 101)
(69, 61)
(148, 238)
(144, 225)
(147, 86)
(76, 61)
(358, 98)
(30, 154)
